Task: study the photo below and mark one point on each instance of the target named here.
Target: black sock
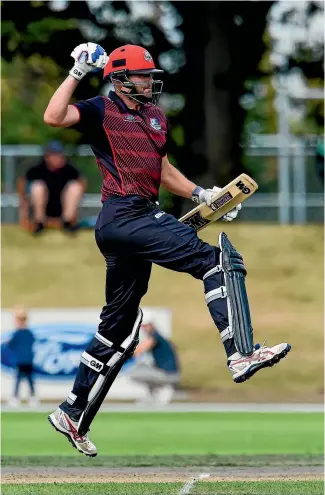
(74, 411)
(230, 347)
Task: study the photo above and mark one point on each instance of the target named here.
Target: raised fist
(89, 57)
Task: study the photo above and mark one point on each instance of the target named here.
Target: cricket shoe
(64, 424)
(244, 367)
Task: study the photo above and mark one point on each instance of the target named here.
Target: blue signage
(57, 349)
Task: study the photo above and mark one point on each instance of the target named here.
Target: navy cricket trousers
(132, 233)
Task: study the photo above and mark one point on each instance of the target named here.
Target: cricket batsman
(128, 134)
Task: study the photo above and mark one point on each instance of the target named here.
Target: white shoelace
(262, 346)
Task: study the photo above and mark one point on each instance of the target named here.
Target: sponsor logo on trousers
(160, 214)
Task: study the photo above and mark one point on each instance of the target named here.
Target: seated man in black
(163, 375)
(55, 188)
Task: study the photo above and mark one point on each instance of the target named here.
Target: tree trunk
(217, 96)
(232, 54)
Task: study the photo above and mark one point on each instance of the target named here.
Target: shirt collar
(120, 103)
(122, 106)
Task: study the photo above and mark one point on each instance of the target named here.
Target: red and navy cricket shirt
(128, 144)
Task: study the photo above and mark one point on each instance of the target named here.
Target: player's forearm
(175, 182)
(57, 108)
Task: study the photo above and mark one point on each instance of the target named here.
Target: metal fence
(287, 167)
(290, 191)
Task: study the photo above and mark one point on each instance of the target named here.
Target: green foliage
(177, 135)
(261, 116)
(37, 67)
(29, 81)
(38, 31)
(27, 86)
(313, 121)
(7, 27)
(42, 31)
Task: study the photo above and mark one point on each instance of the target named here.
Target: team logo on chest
(154, 122)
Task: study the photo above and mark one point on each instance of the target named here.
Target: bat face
(225, 200)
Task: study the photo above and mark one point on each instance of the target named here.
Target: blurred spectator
(54, 188)
(320, 159)
(163, 375)
(21, 345)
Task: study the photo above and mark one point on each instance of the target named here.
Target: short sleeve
(33, 174)
(91, 114)
(72, 172)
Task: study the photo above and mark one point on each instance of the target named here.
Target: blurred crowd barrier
(290, 180)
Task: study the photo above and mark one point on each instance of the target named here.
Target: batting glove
(201, 195)
(89, 57)
(232, 214)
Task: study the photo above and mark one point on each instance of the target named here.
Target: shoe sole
(69, 438)
(268, 364)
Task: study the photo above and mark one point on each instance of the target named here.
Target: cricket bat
(225, 200)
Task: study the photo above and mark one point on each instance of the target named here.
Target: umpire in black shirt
(55, 188)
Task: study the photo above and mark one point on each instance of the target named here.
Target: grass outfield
(200, 488)
(170, 434)
(160, 453)
(284, 285)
